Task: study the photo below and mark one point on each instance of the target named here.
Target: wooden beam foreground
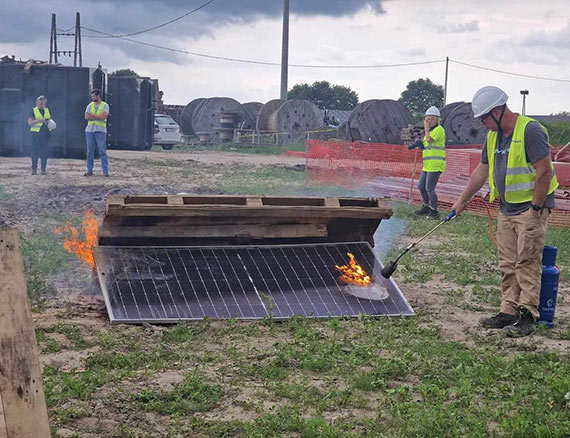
(23, 410)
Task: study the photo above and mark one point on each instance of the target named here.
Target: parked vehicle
(166, 131)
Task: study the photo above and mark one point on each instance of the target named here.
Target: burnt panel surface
(170, 284)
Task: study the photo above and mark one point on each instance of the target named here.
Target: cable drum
(206, 117)
(447, 109)
(186, 116)
(268, 111)
(461, 127)
(294, 118)
(251, 110)
(377, 121)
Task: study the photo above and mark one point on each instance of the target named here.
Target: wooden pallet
(181, 219)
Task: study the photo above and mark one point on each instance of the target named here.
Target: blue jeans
(426, 184)
(99, 140)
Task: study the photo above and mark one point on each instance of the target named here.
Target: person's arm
(476, 181)
(32, 121)
(542, 182)
(429, 139)
(102, 116)
(537, 149)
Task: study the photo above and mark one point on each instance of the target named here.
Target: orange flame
(353, 274)
(73, 244)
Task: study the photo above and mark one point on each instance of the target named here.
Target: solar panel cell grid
(188, 283)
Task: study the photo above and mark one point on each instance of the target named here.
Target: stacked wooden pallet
(236, 220)
(412, 133)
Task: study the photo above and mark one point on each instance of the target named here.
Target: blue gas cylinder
(548, 286)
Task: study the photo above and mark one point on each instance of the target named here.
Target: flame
(353, 274)
(82, 248)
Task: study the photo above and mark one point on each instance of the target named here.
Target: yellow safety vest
(521, 175)
(98, 112)
(38, 115)
(434, 153)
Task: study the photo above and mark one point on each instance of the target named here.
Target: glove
(416, 144)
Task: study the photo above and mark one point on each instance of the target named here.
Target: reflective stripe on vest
(521, 175)
(38, 115)
(434, 153)
(99, 111)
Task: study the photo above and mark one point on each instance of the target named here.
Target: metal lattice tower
(54, 53)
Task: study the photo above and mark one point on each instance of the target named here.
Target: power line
(509, 72)
(155, 27)
(369, 66)
(250, 61)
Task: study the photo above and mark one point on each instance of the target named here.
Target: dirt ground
(65, 190)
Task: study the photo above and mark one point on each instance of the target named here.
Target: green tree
(325, 95)
(124, 72)
(421, 94)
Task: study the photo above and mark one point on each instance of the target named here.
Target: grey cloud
(556, 40)
(471, 26)
(20, 25)
(540, 48)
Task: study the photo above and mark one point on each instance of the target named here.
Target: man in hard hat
(96, 115)
(40, 133)
(433, 155)
(516, 159)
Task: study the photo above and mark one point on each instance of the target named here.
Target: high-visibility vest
(521, 175)
(99, 111)
(36, 127)
(434, 153)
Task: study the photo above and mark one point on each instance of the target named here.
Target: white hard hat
(51, 125)
(433, 111)
(486, 99)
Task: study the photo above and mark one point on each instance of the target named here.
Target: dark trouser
(39, 150)
(426, 184)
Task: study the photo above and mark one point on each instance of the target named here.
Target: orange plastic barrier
(387, 170)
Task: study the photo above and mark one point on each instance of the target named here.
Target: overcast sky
(526, 37)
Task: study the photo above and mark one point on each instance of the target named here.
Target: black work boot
(523, 326)
(498, 321)
(433, 214)
(422, 211)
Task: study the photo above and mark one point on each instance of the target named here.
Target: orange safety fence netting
(387, 170)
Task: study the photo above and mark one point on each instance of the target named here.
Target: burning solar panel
(170, 284)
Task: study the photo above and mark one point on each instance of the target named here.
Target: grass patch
(253, 180)
(192, 395)
(411, 380)
(43, 255)
(72, 333)
(241, 148)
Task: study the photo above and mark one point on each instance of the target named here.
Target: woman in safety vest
(433, 155)
(40, 123)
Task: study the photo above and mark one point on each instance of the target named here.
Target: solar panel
(170, 284)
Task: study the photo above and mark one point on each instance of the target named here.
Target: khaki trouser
(521, 241)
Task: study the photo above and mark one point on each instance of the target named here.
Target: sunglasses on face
(484, 117)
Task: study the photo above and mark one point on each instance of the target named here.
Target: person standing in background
(96, 115)
(433, 155)
(40, 134)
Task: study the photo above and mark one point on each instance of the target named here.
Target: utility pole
(54, 52)
(445, 86)
(53, 41)
(77, 51)
(285, 50)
